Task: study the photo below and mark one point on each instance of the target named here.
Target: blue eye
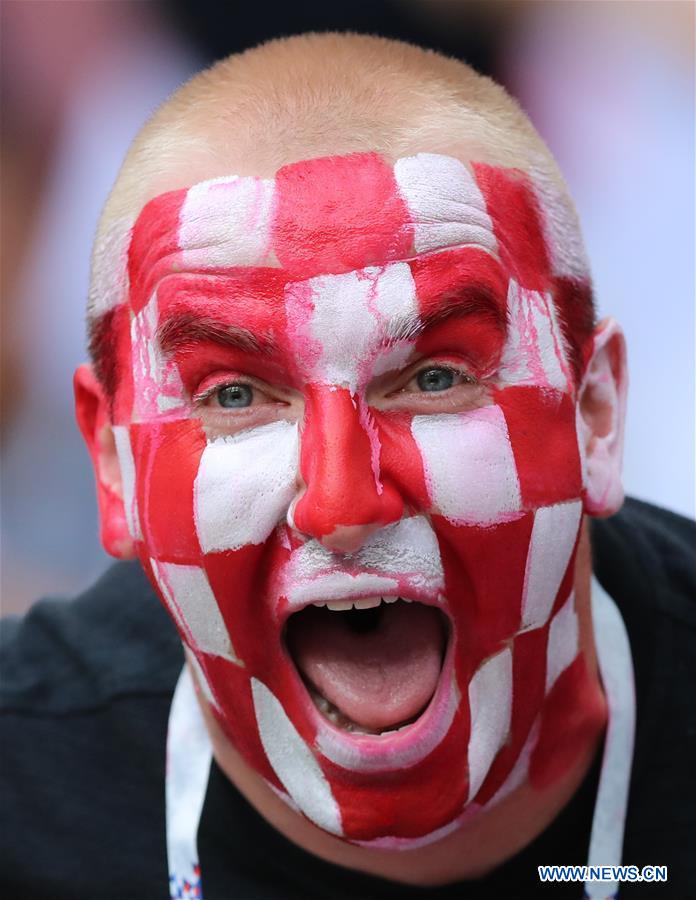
(435, 379)
(234, 396)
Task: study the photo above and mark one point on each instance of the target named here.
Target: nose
(344, 501)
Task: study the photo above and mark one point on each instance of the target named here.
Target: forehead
(339, 214)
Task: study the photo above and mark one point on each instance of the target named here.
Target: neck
(488, 838)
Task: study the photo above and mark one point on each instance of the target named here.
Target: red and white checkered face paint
(412, 314)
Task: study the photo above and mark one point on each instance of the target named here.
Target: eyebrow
(475, 302)
(185, 330)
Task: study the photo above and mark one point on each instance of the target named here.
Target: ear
(94, 420)
(601, 415)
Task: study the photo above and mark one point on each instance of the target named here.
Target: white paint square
(553, 537)
(490, 702)
(193, 604)
(445, 202)
(469, 465)
(226, 222)
(244, 486)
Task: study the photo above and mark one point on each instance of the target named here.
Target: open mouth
(370, 665)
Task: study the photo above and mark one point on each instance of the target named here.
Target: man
(349, 407)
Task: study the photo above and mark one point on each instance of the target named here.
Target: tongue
(378, 678)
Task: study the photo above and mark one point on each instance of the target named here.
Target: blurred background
(610, 86)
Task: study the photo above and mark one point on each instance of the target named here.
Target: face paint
(411, 434)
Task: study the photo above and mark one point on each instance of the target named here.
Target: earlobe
(94, 420)
(601, 415)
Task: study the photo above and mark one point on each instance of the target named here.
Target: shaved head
(320, 95)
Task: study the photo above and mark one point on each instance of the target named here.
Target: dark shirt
(85, 694)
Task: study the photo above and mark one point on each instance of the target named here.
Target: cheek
(167, 460)
(239, 581)
(196, 497)
(401, 462)
(484, 581)
(542, 429)
(489, 465)
(245, 485)
(469, 466)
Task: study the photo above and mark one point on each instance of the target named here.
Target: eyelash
(467, 377)
(201, 397)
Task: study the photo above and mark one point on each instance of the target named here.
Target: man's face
(346, 425)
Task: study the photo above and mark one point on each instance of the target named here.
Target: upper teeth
(363, 603)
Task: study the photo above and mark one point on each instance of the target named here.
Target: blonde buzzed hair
(320, 95)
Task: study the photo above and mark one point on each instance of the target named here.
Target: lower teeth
(336, 717)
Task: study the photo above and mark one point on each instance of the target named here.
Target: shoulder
(649, 551)
(71, 655)
(644, 558)
(85, 694)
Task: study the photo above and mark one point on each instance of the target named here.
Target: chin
(387, 768)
